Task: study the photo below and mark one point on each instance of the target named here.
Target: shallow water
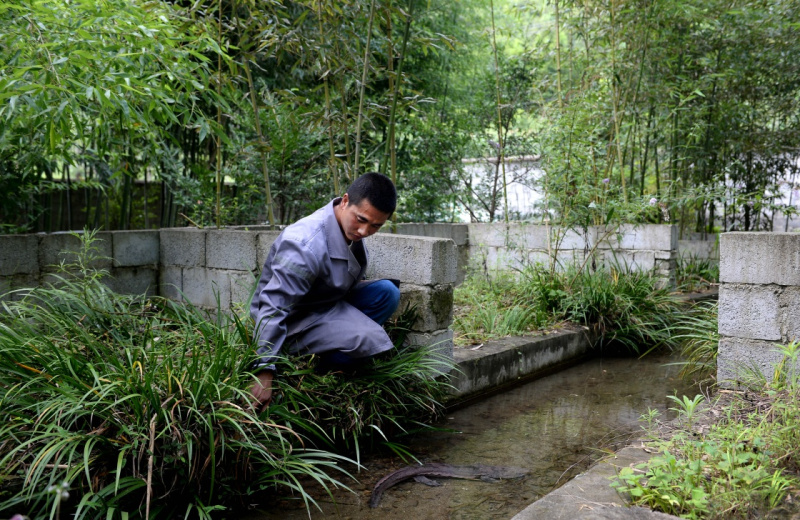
(555, 427)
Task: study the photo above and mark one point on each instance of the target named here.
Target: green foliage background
(147, 113)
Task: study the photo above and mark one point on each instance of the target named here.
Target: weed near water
(118, 406)
(743, 464)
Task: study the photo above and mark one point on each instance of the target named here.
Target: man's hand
(262, 390)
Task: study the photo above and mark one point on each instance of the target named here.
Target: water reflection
(555, 426)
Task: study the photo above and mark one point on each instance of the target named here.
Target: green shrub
(135, 406)
(742, 466)
(623, 307)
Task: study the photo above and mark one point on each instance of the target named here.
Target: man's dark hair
(377, 188)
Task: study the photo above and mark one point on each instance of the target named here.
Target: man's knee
(388, 296)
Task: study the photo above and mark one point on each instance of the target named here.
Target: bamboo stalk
(331, 150)
(390, 142)
(364, 70)
(499, 114)
(219, 117)
(615, 102)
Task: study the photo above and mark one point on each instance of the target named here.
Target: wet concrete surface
(556, 427)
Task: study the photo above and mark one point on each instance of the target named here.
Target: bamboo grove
(124, 114)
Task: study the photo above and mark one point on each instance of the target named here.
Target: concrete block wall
(497, 246)
(759, 301)
(205, 267)
(131, 258)
(427, 269)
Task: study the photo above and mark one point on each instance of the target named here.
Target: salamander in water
(471, 472)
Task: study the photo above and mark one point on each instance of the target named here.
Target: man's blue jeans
(378, 300)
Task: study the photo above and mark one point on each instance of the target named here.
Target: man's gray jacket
(300, 302)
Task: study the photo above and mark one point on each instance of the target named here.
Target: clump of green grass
(698, 335)
(493, 308)
(696, 274)
(624, 308)
(742, 466)
(130, 406)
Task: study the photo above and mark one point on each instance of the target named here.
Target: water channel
(556, 427)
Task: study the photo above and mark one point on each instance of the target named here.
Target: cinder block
(136, 248)
(170, 282)
(738, 359)
(662, 237)
(527, 236)
(751, 312)
(183, 247)
(14, 288)
(568, 239)
(760, 258)
(416, 260)
(57, 247)
(133, 280)
(699, 249)
(439, 342)
(632, 260)
(264, 241)
(434, 305)
(789, 312)
(19, 254)
(242, 285)
(487, 234)
(202, 287)
(230, 249)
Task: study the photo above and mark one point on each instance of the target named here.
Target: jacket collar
(337, 245)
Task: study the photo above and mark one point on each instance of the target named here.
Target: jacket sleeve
(294, 269)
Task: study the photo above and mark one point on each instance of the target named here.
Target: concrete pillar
(759, 302)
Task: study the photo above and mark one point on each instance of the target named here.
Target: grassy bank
(132, 407)
(737, 457)
(626, 309)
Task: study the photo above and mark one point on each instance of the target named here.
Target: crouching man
(312, 299)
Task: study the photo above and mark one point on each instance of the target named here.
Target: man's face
(359, 221)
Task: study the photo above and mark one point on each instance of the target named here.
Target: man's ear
(345, 200)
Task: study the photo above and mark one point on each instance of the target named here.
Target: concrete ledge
(415, 260)
(511, 361)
